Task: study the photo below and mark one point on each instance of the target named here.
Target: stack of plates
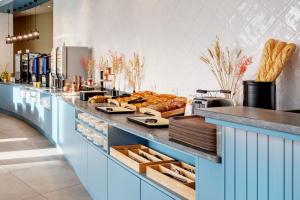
(193, 130)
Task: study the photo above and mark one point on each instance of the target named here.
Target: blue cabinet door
(97, 174)
(148, 192)
(8, 96)
(66, 126)
(54, 120)
(78, 157)
(122, 184)
(73, 144)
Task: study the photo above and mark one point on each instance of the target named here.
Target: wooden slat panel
(229, 159)
(276, 168)
(241, 165)
(288, 151)
(252, 157)
(262, 173)
(296, 170)
(260, 167)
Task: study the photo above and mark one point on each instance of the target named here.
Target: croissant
(275, 56)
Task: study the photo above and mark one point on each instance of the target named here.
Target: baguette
(275, 56)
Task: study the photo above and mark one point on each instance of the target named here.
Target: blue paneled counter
(255, 160)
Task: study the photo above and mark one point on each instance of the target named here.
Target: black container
(260, 94)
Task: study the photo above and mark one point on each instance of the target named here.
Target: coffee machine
(44, 65)
(53, 79)
(26, 66)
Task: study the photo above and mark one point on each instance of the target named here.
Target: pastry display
(275, 55)
(98, 99)
(152, 103)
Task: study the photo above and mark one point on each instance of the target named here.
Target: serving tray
(114, 110)
(194, 131)
(150, 121)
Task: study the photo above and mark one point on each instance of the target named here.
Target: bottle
(67, 87)
(74, 86)
(80, 83)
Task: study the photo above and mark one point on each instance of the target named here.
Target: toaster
(210, 98)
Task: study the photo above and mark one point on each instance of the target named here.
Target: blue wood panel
(258, 166)
(288, 150)
(252, 151)
(149, 192)
(296, 170)
(263, 165)
(229, 162)
(97, 174)
(121, 183)
(210, 180)
(240, 165)
(276, 168)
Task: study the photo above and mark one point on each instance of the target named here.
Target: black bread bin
(260, 94)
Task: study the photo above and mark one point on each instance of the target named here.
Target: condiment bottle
(67, 87)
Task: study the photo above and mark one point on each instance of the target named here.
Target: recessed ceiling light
(49, 6)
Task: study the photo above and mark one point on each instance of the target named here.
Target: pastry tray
(114, 110)
(146, 121)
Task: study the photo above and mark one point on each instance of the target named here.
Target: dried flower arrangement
(4, 73)
(228, 66)
(103, 63)
(88, 65)
(134, 71)
(117, 65)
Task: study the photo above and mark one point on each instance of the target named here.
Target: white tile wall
(170, 34)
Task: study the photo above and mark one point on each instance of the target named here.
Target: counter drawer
(178, 180)
(138, 157)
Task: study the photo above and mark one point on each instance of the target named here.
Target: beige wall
(44, 26)
(6, 50)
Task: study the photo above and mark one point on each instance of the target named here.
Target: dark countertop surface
(261, 118)
(160, 135)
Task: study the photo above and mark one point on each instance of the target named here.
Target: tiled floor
(33, 169)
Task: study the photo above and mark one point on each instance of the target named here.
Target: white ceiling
(44, 8)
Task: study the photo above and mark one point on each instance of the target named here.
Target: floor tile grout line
(25, 183)
(64, 188)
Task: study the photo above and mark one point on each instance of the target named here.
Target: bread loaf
(275, 56)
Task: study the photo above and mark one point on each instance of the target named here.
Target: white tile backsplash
(171, 34)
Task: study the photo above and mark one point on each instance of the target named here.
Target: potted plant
(4, 74)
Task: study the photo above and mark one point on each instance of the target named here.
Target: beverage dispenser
(34, 65)
(44, 65)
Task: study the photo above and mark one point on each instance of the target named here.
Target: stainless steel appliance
(53, 80)
(210, 98)
(68, 63)
(18, 64)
